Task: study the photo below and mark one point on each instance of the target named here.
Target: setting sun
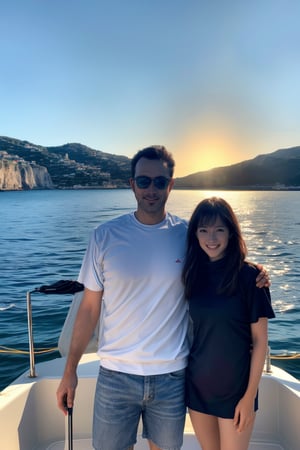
(208, 146)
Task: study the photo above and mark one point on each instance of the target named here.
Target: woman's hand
(244, 413)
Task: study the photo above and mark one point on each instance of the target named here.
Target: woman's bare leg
(230, 438)
(206, 430)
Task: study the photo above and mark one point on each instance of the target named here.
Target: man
(132, 271)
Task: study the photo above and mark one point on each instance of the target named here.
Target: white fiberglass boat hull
(30, 419)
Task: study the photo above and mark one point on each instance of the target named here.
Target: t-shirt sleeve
(90, 273)
(258, 299)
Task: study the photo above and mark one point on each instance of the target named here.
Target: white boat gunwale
(276, 426)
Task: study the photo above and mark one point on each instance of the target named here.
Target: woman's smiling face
(213, 239)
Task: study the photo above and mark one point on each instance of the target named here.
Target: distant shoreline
(181, 188)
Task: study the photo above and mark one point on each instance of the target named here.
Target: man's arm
(85, 323)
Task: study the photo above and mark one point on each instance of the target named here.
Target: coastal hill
(69, 166)
(24, 165)
(277, 170)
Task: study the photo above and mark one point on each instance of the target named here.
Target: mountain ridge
(75, 166)
(277, 170)
(72, 165)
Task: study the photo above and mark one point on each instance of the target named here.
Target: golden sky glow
(214, 143)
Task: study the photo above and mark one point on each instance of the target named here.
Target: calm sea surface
(43, 236)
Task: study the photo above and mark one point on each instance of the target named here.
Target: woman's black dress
(219, 362)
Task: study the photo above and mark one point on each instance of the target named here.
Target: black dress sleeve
(258, 299)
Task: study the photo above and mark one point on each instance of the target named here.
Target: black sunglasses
(143, 182)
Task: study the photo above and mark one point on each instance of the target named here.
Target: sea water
(44, 234)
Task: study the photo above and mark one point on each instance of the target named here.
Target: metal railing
(60, 287)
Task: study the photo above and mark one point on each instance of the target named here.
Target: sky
(217, 82)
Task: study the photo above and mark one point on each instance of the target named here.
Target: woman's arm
(244, 411)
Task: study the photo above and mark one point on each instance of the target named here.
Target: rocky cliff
(71, 165)
(20, 175)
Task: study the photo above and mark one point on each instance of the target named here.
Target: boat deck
(190, 443)
(30, 404)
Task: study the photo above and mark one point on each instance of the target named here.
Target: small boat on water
(30, 419)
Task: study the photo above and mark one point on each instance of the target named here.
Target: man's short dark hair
(154, 152)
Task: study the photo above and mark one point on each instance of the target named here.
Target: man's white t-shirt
(144, 316)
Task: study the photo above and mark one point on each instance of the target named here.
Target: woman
(229, 316)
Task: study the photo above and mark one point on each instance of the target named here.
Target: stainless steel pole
(32, 373)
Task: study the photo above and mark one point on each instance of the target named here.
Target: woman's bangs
(208, 219)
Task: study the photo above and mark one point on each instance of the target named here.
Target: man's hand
(66, 392)
(262, 279)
